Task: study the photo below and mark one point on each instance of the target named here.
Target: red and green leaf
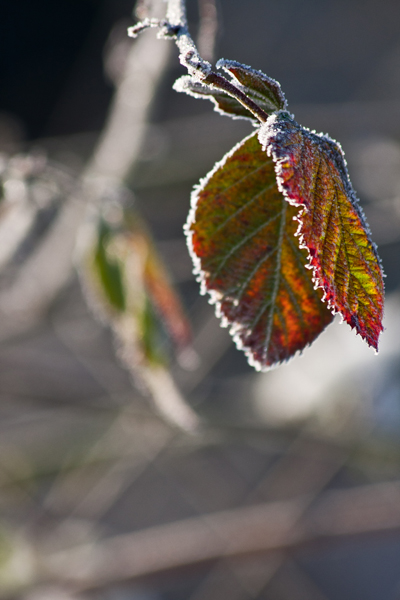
(311, 172)
(241, 234)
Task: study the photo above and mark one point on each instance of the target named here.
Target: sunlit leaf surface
(311, 172)
(241, 233)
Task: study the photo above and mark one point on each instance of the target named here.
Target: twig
(48, 269)
(176, 27)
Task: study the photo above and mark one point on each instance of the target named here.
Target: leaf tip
(311, 172)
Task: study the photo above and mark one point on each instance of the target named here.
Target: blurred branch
(262, 528)
(47, 270)
(142, 274)
(303, 470)
(208, 28)
(120, 456)
(43, 275)
(122, 138)
(100, 190)
(37, 237)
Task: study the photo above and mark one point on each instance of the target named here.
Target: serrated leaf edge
(264, 141)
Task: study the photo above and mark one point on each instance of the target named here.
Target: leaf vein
(363, 259)
(241, 243)
(313, 190)
(268, 332)
(239, 210)
(250, 277)
(293, 299)
(242, 179)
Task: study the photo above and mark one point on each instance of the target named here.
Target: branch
(115, 156)
(48, 268)
(239, 532)
(122, 139)
(176, 27)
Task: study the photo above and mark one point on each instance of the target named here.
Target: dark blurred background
(84, 457)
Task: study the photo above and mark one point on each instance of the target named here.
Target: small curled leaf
(311, 173)
(264, 90)
(223, 103)
(241, 236)
(258, 87)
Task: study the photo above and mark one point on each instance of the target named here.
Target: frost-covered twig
(175, 26)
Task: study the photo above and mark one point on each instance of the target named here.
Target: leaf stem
(221, 83)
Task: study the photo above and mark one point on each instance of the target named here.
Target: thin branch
(123, 136)
(176, 27)
(47, 270)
